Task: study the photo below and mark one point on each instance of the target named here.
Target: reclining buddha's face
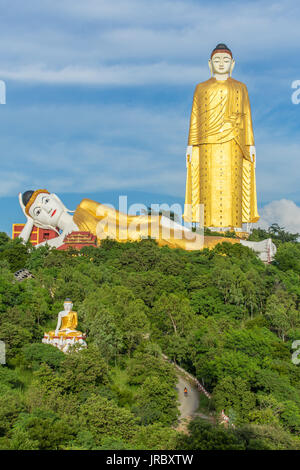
(47, 209)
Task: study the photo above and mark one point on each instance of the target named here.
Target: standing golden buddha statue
(221, 153)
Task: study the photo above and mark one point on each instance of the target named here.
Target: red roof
(78, 240)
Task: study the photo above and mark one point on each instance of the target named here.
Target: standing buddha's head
(221, 61)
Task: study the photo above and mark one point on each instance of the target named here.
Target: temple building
(76, 240)
(38, 235)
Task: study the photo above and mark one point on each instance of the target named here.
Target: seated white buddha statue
(65, 334)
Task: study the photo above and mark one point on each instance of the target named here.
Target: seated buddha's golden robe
(68, 322)
(106, 222)
(220, 173)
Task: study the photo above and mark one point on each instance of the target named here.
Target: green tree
(44, 429)
(104, 418)
(234, 394)
(143, 364)
(282, 314)
(16, 253)
(135, 325)
(156, 401)
(288, 257)
(37, 353)
(11, 405)
(172, 314)
(84, 370)
(155, 436)
(204, 436)
(220, 364)
(266, 437)
(4, 240)
(14, 337)
(105, 334)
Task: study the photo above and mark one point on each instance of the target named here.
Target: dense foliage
(278, 234)
(222, 314)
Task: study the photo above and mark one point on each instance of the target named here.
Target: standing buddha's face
(47, 209)
(221, 63)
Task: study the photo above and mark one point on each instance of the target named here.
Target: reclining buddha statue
(65, 334)
(47, 211)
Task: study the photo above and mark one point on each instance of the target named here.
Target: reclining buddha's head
(44, 208)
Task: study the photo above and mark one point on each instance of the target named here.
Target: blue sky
(99, 95)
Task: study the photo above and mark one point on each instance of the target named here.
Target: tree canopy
(222, 314)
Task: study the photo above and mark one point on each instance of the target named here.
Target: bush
(38, 353)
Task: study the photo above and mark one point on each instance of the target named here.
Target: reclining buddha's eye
(37, 211)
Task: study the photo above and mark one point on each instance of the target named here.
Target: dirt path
(188, 404)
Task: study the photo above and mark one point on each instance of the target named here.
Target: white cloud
(11, 182)
(278, 169)
(89, 147)
(138, 43)
(162, 41)
(285, 213)
(112, 75)
(120, 147)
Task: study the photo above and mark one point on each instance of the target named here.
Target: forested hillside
(222, 314)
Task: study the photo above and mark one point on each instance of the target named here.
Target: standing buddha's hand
(189, 151)
(253, 154)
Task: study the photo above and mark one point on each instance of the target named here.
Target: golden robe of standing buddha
(221, 152)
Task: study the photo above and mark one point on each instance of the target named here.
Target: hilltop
(221, 314)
